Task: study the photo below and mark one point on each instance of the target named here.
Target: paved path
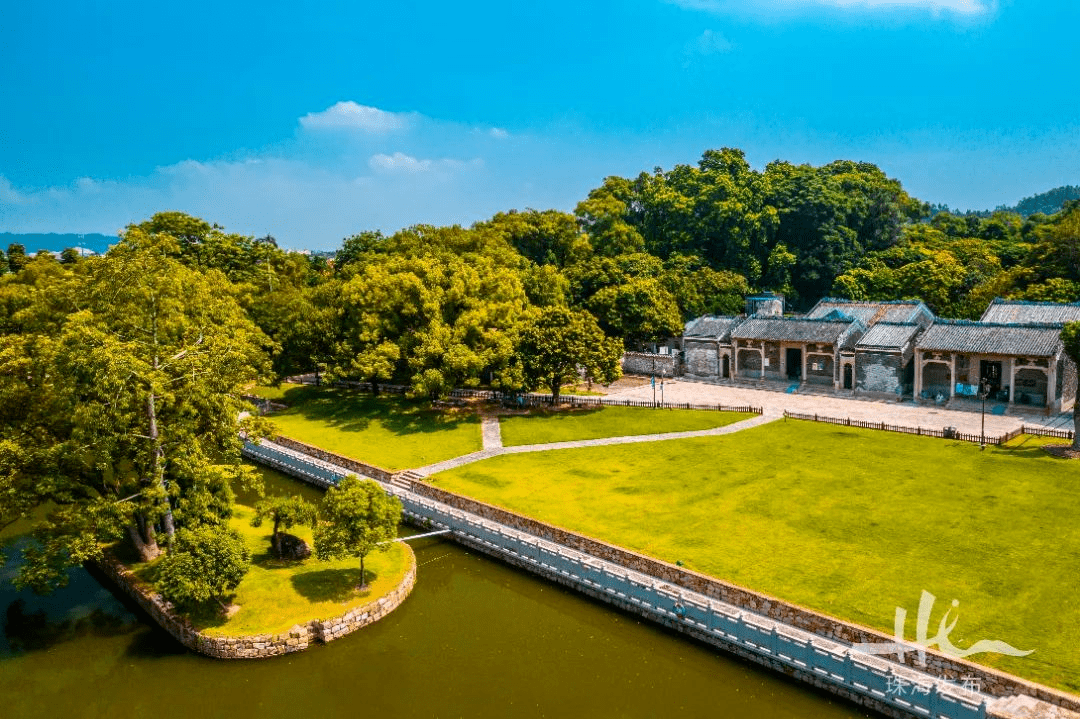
(906, 414)
(489, 452)
(491, 432)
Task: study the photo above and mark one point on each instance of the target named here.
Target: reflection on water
(475, 639)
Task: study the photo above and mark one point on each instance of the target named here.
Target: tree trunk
(374, 388)
(362, 582)
(159, 468)
(276, 539)
(147, 552)
(556, 385)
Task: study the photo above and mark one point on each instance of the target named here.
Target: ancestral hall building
(891, 349)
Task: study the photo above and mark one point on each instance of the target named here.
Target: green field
(853, 523)
(277, 594)
(391, 432)
(543, 427)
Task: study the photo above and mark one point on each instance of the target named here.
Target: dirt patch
(1062, 451)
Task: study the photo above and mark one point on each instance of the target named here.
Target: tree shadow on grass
(331, 585)
(353, 411)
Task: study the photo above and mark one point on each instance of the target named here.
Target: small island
(286, 600)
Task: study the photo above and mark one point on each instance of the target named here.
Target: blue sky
(311, 122)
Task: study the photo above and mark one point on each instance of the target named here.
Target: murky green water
(475, 639)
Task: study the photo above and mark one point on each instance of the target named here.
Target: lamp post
(984, 390)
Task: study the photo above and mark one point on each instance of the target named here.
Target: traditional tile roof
(710, 327)
(791, 329)
(868, 313)
(1020, 311)
(894, 336)
(1031, 339)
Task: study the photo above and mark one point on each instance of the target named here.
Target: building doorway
(725, 368)
(794, 363)
(847, 376)
(990, 374)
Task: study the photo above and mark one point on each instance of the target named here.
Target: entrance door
(726, 369)
(794, 363)
(847, 376)
(990, 373)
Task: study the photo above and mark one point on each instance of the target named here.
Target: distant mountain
(1047, 202)
(54, 242)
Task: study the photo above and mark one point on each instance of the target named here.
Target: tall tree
(557, 342)
(358, 517)
(128, 417)
(16, 257)
(207, 563)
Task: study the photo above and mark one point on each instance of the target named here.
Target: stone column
(952, 376)
(1012, 379)
(1051, 386)
(918, 375)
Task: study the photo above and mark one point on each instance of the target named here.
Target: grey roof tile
(711, 327)
(1020, 311)
(791, 329)
(889, 335)
(1033, 340)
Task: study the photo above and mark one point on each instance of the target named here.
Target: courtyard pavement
(888, 411)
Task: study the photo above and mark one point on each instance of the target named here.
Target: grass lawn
(391, 432)
(277, 594)
(850, 522)
(542, 426)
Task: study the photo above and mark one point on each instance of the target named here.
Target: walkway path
(491, 450)
(491, 431)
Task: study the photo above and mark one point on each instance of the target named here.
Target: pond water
(475, 639)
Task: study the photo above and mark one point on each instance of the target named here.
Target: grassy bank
(543, 426)
(849, 522)
(392, 432)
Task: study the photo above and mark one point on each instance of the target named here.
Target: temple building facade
(891, 349)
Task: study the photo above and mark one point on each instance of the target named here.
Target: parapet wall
(362, 469)
(258, 646)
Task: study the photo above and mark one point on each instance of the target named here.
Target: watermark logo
(923, 641)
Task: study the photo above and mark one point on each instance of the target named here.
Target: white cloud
(353, 116)
(711, 43)
(401, 163)
(963, 7)
(498, 133)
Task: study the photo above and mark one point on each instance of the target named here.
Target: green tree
(284, 513)
(1070, 335)
(557, 342)
(547, 238)
(16, 257)
(120, 391)
(3, 264)
(69, 256)
(640, 310)
(355, 247)
(357, 517)
(207, 563)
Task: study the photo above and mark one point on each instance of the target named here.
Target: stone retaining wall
(367, 470)
(991, 681)
(258, 646)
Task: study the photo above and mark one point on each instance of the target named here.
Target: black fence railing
(943, 433)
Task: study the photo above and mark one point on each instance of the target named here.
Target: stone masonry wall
(647, 363)
(367, 470)
(880, 372)
(992, 682)
(257, 646)
(700, 358)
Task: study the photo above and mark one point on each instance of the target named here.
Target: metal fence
(537, 400)
(944, 433)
